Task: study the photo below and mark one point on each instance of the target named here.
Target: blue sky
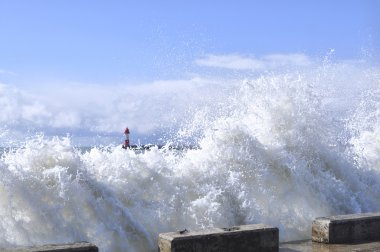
(91, 67)
(119, 41)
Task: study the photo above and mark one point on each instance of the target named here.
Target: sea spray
(280, 149)
(365, 127)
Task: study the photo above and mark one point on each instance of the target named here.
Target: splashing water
(281, 150)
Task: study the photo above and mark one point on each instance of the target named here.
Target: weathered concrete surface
(309, 246)
(74, 247)
(257, 237)
(352, 228)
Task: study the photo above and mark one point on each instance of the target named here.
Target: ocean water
(279, 148)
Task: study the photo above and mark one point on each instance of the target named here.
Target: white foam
(281, 150)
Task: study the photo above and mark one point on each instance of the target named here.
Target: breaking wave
(282, 149)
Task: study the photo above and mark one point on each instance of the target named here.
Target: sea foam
(281, 149)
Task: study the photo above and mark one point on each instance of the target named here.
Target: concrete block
(73, 247)
(344, 229)
(257, 237)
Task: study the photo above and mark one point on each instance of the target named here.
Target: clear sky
(117, 41)
(79, 65)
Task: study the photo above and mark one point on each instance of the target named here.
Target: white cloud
(105, 108)
(34, 112)
(3, 71)
(277, 60)
(231, 61)
(154, 105)
(251, 63)
(70, 119)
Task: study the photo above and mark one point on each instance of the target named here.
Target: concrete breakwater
(341, 229)
(257, 237)
(355, 232)
(342, 233)
(73, 247)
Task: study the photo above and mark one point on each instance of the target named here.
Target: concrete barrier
(257, 237)
(344, 229)
(73, 247)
